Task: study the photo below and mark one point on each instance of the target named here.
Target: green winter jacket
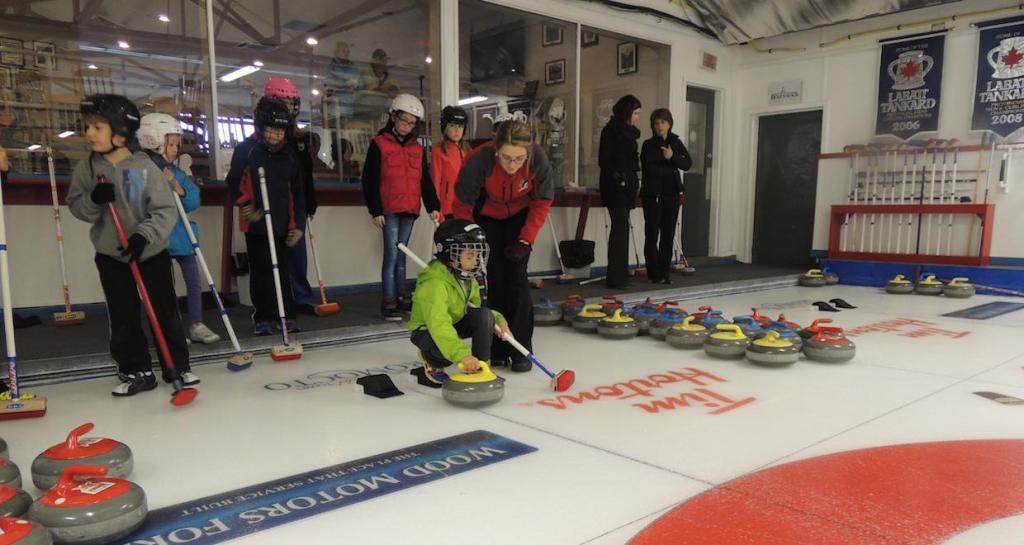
(439, 302)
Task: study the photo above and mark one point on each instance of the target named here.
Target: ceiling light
(311, 41)
(429, 60)
(471, 100)
(316, 92)
(239, 73)
(33, 147)
(163, 18)
(65, 134)
(92, 67)
(123, 44)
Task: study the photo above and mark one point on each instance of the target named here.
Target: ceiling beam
(92, 7)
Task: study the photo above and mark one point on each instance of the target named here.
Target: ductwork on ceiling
(741, 21)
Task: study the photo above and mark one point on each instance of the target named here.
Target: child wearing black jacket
(267, 148)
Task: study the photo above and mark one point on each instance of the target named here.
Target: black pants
(478, 324)
(128, 344)
(660, 213)
(618, 248)
(508, 288)
(261, 278)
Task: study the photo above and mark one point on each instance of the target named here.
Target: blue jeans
(397, 228)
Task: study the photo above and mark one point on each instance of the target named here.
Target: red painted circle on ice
(919, 493)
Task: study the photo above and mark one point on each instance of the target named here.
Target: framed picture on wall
(552, 35)
(6, 78)
(588, 38)
(45, 57)
(628, 59)
(11, 52)
(554, 72)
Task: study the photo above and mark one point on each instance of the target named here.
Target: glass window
(54, 53)
(612, 65)
(516, 62)
(348, 58)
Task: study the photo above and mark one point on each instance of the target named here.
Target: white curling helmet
(409, 104)
(153, 131)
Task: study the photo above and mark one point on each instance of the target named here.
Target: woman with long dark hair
(662, 157)
(617, 157)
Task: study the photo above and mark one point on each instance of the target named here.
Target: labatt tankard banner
(999, 89)
(909, 85)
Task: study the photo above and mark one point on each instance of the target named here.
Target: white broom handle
(312, 249)
(273, 251)
(60, 232)
(5, 281)
(206, 271)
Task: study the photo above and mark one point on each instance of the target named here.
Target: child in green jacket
(446, 304)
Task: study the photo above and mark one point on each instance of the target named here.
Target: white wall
(842, 81)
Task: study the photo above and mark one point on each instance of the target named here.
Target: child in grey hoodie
(115, 173)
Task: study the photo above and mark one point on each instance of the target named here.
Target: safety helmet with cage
(453, 238)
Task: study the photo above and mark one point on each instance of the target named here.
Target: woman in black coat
(662, 157)
(617, 157)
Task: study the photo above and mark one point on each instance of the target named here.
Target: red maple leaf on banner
(1012, 57)
(910, 69)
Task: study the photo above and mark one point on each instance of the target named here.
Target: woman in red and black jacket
(447, 158)
(506, 188)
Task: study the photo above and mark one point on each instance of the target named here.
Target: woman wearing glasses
(506, 188)
(395, 179)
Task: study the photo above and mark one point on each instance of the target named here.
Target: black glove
(136, 245)
(102, 193)
(517, 252)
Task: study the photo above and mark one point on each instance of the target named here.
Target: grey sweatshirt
(143, 200)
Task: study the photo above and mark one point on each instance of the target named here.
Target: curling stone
(571, 307)
(812, 279)
(830, 346)
(702, 311)
(761, 319)
(831, 278)
(10, 475)
(644, 315)
(785, 332)
(712, 319)
(588, 318)
(474, 390)
(958, 288)
(13, 502)
(728, 342)
(749, 326)
(76, 450)
(928, 285)
(899, 285)
(812, 330)
(4, 453)
(617, 326)
(610, 303)
(15, 531)
(665, 320)
(86, 507)
(687, 334)
(773, 350)
(791, 325)
(547, 313)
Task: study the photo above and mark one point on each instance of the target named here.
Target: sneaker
(133, 383)
(188, 378)
(391, 313)
(263, 328)
(199, 333)
(433, 374)
(520, 365)
(404, 303)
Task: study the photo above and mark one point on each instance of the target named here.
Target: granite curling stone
(86, 507)
(749, 326)
(666, 319)
(928, 285)
(788, 333)
(78, 450)
(772, 350)
(571, 307)
(4, 453)
(617, 326)
(10, 475)
(13, 501)
(831, 278)
(547, 313)
(472, 390)
(830, 346)
(686, 334)
(588, 318)
(958, 288)
(644, 314)
(899, 285)
(712, 319)
(812, 279)
(812, 330)
(15, 531)
(728, 342)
